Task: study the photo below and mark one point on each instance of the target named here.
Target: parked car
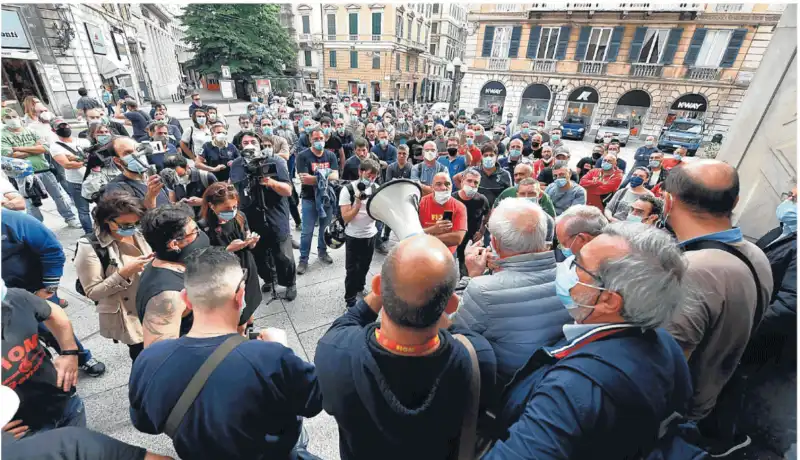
(485, 117)
(573, 128)
(619, 128)
(683, 132)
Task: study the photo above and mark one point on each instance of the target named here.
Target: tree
(246, 37)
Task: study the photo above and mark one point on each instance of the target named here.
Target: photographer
(160, 142)
(188, 184)
(68, 152)
(133, 165)
(263, 183)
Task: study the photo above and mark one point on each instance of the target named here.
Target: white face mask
(441, 197)
(429, 155)
(14, 123)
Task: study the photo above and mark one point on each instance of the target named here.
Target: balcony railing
(702, 73)
(646, 70)
(376, 38)
(593, 68)
(543, 65)
(332, 37)
(353, 37)
(498, 64)
(615, 6)
(304, 37)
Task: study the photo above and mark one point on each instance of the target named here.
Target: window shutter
(332, 59)
(636, 44)
(533, 42)
(353, 59)
(563, 40)
(488, 39)
(694, 46)
(613, 46)
(353, 23)
(733, 48)
(513, 47)
(672, 45)
(376, 23)
(583, 41)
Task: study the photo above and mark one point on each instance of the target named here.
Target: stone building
(448, 41)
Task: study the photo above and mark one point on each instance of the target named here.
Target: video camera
(259, 167)
(361, 189)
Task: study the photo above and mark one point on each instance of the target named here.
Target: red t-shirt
(430, 212)
(474, 152)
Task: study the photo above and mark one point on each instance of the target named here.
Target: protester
(620, 204)
(69, 153)
(85, 102)
(586, 164)
(351, 166)
(133, 165)
(399, 388)
(468, 147)
(217, 154)
(514, 158)
(198, 134)
(721, 320)
(385, 152)
(29, 109)
(109, 262)
(400, 169)
(425, 172)
(577, 226)
(477, 207)
(175, 128)
(434, 206)
(493, 179)
(546, 161)
(196, 104)
(333, 142)
(675, 159)
(134, 117)
(600, 183)
(455, 163)
(95, 117)
(564, 192)
(279, 386)
(647, 209)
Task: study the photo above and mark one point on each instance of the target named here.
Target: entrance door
(353, 88)
(376, 91)
(21, 79)
(414, 93)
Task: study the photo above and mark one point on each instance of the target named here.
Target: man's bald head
(418, 279)
(522, 171)
(518, 226)
(705, 187)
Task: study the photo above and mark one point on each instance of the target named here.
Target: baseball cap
(57, 121)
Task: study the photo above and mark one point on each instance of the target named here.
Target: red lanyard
(391, 345)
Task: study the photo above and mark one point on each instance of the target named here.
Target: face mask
(134, 164)
(221, 138)
(103, 139)
(198, 102)
(227, 215)
(309, 129)
(201, 121)
(488, 162)
(253, 99)
(469, 191)
(319, 145)
(648, 143)
(555, 137)
(267, 151)
(566, 279)
(267, 130)
(366, 181)
(384, 142)
(636, 181)
(655, 163)
(539, 129)
(536, 145)
(340, 131)
(470, 142)
(677, 156)
(64, 132)
(212, 116)
(285, 123)
(516, 153)
(180, 256)
(326, 131)
(596, 156)
(252, 112)
(547, 160)
(606, 140)
(633, 218)
(126, 231)
(606, 166)
(787, 214)
(525, 131)
(14, 123)
(429, 155)
(460, 126)
(561, 182)
(452, 151)
(441, 197)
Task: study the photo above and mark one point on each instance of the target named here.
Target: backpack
(102, 254)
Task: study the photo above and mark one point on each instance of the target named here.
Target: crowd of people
(543, 310)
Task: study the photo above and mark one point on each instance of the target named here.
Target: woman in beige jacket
(118, 242)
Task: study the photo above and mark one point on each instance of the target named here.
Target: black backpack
(102, 254)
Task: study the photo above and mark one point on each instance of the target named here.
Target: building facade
(448, 41)
(647, 63)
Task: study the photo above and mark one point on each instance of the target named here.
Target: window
(506, 7)
(376, 60)
(333, 84)
(331, 27)
(306, 24)
(419, 31)
(416, 64)
(353, 59)
(399, 26)
(396, 62)
(502, 41)
(435, 8)
(435, 28)
(353, 26)
(433, 48)
(653, 47)
(548, 40)
(377, 19)
(332, 58)
(424, 66)
(307, 58)
(713, 48)
(598, 44)
(408, 64)
(410, 25)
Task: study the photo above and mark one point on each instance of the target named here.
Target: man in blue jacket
(398, 389)
(33, 260)
(606, 388)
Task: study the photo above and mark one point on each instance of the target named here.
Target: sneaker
(267, 287)
(324, 257)
(721, 450)
(63, 303)
(74, 223)
(93, 368)
(302, 267)
(380, 248)
(295, 244)
(291, 293)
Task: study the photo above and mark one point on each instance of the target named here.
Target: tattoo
(162, 317)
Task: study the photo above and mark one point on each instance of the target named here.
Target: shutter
(331, 24)
(332, 59)
(636, 44)
(513, 47)
(672, 45)
(488, 41)
(563, 40)
(616, 40)
(353, 59)
(533, 42)
(694, 46)
(583, 41)
(737, 38)
(353, 23)
(376, 23)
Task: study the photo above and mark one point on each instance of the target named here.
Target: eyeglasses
(189, 235)
(126, 226)
(592, 275)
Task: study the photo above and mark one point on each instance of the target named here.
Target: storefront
(534, 104)
(21, 74)
(687, 106)
(582, 103)
(633, 106)
(493, 97)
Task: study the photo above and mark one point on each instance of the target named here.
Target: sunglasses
(126, 226)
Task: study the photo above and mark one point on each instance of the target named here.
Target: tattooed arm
(162, 317)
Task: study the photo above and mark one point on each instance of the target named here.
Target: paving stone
(281, 321)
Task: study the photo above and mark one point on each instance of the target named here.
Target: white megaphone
(396, 204)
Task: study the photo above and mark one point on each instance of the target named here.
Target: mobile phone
(448, 215)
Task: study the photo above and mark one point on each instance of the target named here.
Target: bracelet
(70, 352)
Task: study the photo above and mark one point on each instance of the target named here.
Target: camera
(259, 167)
(361, 188)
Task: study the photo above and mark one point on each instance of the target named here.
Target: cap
(57, 121)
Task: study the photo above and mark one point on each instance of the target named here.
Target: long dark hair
(112, 205)
(216, 194)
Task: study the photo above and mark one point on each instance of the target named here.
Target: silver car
(616, 128)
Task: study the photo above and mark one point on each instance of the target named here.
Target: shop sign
(96, 38)
(13, 34)
(494, 88)
(263, 85)
(585, 94)
(226, 88)
(691, 102)
(53, 76)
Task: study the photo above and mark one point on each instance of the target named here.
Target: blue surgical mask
(488, 162)
(606, 166)
(227, 215)
(561, 182)
(634, 218)
(253, 99)
(103, 139)
(134, 164)
(309, 129)
(285, 123)
(384, 142)
(126, 231)
(566, 279)
(319, 145)
(366, 181)
(655, 163)
(201, 121)
(326, 131)
(470, 141)
(267, 130)
(677, 156)
(787, 215)
(636, 181)
(460, 126)
(555, 137)
(525, 131)
(515, 153)
(267, 151)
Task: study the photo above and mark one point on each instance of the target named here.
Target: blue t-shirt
(139, 123)
(454, 167)
(250, 407)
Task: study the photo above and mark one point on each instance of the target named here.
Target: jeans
(74, 415)
(81, 205)
(110, 108)
(57, 193)
(310, 219)
(358, 257)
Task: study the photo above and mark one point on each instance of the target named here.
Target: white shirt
(362, 225)
(74, 176)
(654, 175)
(5, 185)
(196, 137)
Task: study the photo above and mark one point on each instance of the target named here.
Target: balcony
(353, 37)
(544, 65)
(703, 73)
(376, 38)
(593, 68)
(646, 70)
(303, 38)
(332, 37)
(498, 64)
(615, 6)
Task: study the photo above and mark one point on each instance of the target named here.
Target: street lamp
(556, 86)
(455, 67)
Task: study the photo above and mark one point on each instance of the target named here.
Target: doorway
(21, 79)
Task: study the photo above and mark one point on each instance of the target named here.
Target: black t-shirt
(334, 143)
(415, 149)
(69, 443)
(135, 188)
(139, 122)
(477, 208)
(492, 186)
(27, 369)
(309, 163)
(276, 213)
(154, 281)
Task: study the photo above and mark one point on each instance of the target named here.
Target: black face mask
(64, 132)
(200, 242)
(452, 151)
(596, 156)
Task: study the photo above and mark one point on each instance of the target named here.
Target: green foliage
(246, 37)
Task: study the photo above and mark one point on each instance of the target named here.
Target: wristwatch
(70, 352)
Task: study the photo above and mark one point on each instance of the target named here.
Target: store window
(581, 103)
(376, 60)
(534, 103)
(633, 107)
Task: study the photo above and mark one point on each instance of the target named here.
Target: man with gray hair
(577, 226)
(280, 387)
(425, 171)
(515, 308)
(615, 375)
(564, 192)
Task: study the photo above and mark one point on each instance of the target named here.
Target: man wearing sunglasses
(615, 376)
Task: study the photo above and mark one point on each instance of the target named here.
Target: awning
(110, 67)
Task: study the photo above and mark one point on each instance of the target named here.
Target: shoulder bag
(469, 426)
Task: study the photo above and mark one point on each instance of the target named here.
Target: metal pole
(453, 89)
